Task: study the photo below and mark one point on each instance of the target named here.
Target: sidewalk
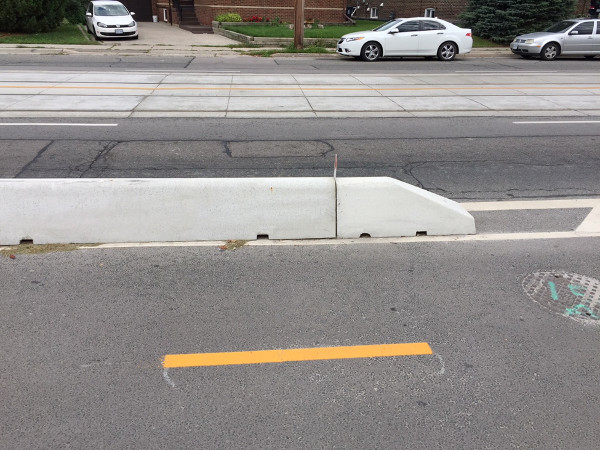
(163, 39)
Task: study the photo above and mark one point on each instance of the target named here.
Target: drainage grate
(570, 294)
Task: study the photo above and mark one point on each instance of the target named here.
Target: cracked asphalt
(562, 163)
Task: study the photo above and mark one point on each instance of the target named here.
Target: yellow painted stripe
(305, 88)
(299, 354)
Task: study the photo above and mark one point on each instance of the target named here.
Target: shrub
(31, 16)
(502, 20)
(229, 17)
(256, 19)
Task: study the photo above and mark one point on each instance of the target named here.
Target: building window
(374, 13)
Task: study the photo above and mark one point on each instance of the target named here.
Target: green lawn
(67, 33)
(330, 31)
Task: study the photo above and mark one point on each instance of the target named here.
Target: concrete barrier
(385, 207)
(184, 209)
(146, 210)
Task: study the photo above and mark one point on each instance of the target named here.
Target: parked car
(417, 36)
(569, 37)
(110, 19)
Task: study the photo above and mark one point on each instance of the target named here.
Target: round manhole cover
(572, 295)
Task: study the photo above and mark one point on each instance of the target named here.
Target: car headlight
(101, 25)
(529, 41)
(354, 38)
(132, 24)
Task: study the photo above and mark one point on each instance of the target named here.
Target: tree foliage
(35, 16)
(502, 20)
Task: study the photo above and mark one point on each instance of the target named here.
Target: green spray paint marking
(574, 288)
(577, 310)
(553, 290)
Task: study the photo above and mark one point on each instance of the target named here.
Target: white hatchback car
(417, 36)
(110, 19)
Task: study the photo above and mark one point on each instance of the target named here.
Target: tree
(33, 16)
(502, 20)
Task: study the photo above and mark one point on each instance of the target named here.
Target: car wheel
(550, 52)
(447, 51)
(371, 52)
(95, 34)
(589, 56)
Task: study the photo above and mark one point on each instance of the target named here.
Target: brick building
(202, 12)
(325, 11)
(444, 9)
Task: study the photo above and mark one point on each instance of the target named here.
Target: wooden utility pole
(299, 25)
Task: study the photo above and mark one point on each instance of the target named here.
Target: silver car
(569, 37)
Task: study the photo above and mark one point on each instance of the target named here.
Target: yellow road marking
(296, 87)
(299, 354)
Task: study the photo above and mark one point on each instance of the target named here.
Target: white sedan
(109, 18)
(417, 36)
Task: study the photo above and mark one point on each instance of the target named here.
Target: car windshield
(560, 26)
(111, 10)
(387, 25)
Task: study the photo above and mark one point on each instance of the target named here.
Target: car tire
(447, 51)
(550, 51)
(589, 56)
(371, 51)
(95, 34)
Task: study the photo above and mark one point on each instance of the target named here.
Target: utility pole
(299, 25)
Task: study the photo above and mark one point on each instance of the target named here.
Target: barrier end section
(385, 207)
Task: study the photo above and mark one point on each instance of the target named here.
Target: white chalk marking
(443, 369)
(167, 378)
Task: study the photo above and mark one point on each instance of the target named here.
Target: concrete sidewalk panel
(385, 207)
(165, 209)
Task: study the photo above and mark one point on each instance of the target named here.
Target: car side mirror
(574, 33)
(394, 31)
(132, 13)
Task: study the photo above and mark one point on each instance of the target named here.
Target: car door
(431, 36)
(89, 18)
(403, 40)
(595, 45)
(580, 38)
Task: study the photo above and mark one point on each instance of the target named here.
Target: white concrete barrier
(385, 207)
(152, 209)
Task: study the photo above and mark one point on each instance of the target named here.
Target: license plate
(118, 31)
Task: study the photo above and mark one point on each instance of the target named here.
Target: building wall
(325, 11)
(444, 9)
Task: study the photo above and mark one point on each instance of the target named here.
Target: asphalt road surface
(511, 318)
(84, 333)
(281, 65)
(460, 158)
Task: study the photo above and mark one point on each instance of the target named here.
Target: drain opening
(262, 236)
(26, 242)
(421, 233)
(365, 235)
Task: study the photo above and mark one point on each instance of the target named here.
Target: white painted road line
(42, 124)
(558, 122)
(532, 204)
(492, 237)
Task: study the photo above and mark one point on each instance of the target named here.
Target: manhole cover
(572, 295)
